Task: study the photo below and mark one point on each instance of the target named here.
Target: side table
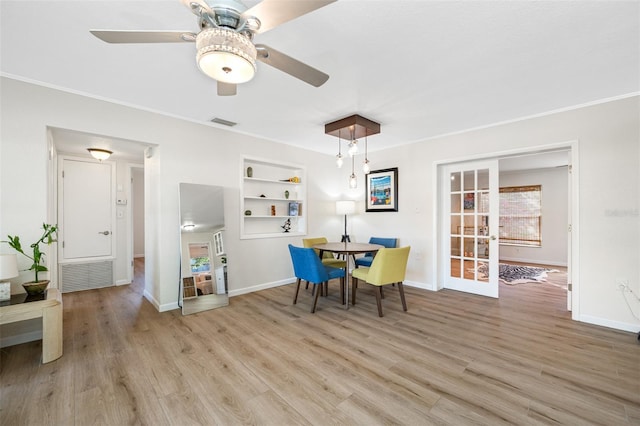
(50, 310)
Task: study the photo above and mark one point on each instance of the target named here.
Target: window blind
(521, 215)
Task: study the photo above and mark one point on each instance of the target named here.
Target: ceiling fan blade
(115, 36)
(226, 89)
(293, 67)
(272, 13)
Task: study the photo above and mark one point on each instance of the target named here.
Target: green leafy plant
(49, 235)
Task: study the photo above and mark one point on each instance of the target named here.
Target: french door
(470, 227)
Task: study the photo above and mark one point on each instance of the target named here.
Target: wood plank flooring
(452, 359)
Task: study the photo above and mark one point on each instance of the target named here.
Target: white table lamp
(345, 208)
(8, 270)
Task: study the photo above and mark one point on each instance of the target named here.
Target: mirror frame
(201, 214)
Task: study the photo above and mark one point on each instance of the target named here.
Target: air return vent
(223, 122)
(86, 276)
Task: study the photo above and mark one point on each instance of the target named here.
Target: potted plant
(49, 235)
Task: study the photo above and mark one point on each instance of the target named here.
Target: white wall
(137, 205)
(555, 219)
(609, 160)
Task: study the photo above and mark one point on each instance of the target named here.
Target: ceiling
(421, 69)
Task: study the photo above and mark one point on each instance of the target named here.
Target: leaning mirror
(203, 280)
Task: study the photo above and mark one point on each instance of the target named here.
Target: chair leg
(295, 297)
(354, 287)
(401, 290)
(378, 293)
(381, 292)
(315, 299)
(342, 282)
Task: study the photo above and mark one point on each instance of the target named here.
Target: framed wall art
(382, 190)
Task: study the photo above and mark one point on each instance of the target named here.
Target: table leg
(346, 285)
(51, 333)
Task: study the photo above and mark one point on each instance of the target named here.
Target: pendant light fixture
(358, 127)
(353, 181)
(365, 164)
(339, 159)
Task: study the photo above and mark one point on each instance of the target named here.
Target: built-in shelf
(272, 199)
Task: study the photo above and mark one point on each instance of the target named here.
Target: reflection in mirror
(204, 283)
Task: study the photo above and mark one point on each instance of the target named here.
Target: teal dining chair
(368, 257)
(307, 266)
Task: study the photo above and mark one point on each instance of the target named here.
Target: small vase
(286, 194)
(33, 287)
(249, 171)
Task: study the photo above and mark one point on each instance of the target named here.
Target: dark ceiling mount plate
(352, 127)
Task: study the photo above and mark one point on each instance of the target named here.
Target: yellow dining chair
(388, 267)
(327, 258)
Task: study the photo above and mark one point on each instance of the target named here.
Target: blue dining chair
(368, 257)
(307, 266)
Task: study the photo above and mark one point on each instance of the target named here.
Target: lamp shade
(345, 207)
(8, 266)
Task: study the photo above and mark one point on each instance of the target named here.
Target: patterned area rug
(517, 274)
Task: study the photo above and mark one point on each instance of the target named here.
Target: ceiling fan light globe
(226, 55)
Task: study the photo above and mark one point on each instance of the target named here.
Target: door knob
(104, 232)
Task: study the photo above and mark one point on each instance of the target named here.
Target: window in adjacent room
(521, 215)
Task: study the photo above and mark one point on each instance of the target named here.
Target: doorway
(530, 158)
(128, 159)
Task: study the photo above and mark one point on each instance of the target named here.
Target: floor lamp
(345, 208)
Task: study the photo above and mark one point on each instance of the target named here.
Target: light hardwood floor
(453, 359)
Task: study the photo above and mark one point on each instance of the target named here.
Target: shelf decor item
(247, 212)
(273, 210)
(249, 171)
(286, 194)
(48, 237)
(287, 225)
(294, 179)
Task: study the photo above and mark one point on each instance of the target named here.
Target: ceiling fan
(225, 48)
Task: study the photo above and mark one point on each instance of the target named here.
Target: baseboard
(122, 282)
(415, 284)
(263, 286)
(536, 262)
(634, 328)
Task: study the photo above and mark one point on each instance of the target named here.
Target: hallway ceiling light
(99, 153)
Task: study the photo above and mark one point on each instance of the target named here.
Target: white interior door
(87, 209)
(471, 227)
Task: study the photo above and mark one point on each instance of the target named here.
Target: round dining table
(347, 249)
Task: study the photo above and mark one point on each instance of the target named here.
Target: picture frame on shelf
(382, 190)
(293, 209)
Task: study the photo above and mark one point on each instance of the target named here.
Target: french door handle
(493, 237)
(104, 232)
